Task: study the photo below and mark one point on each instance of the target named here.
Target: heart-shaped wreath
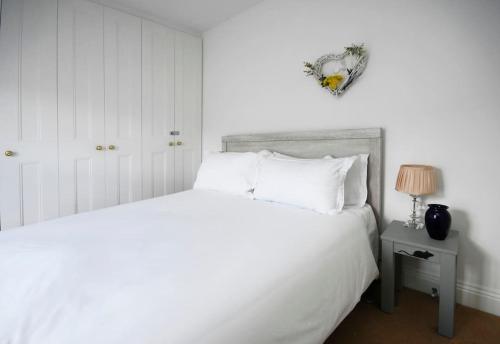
(337, 72)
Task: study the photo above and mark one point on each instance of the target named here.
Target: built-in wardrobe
(98, 107)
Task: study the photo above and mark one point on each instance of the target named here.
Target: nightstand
(398, 240)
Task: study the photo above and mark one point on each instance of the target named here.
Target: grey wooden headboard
(316, 144)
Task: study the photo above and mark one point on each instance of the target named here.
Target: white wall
(432, 82)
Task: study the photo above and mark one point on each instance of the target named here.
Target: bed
(197, 266)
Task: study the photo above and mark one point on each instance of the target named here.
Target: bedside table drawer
(407, 249)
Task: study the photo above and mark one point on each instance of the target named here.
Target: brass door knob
(171, 143)
(179, 143)
(99, 148)
(9, 153)
(111, 147)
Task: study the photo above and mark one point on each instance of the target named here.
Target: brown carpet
(414, 321)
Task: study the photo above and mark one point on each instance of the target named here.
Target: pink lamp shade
(416, 180)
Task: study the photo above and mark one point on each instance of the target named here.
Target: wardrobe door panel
(158, 44)
(188, 87)
(28, 112)
(122, 65)
(81, 107)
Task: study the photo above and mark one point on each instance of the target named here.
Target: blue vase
(437, 221)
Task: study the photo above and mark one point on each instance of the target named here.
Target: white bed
(198, 266)
(194, 267)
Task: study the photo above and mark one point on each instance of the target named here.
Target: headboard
(316, 144)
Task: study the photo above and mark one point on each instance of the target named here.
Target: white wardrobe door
(81, 106)
(28, 112)
(122, 66)
(188, 87)
(158, 44)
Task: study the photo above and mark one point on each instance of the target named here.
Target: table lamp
(416, 180)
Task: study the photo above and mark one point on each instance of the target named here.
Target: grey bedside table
(398, 240)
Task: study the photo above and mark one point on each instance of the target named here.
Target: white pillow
(355, 188)
(231, 172)
(284, 156)
(316, 184)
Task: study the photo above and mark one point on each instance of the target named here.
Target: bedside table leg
(387, 299)
(398, 276)
(447, 295)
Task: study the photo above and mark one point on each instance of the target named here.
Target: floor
(414, 321)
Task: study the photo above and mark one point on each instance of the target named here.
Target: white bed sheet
(194, 267)
(369, 223)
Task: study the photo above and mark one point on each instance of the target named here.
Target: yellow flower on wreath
(332, 81)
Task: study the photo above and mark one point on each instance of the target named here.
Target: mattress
(193, 267)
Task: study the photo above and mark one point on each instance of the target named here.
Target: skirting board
(484, 299)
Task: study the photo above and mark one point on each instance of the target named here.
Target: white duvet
(194, 267)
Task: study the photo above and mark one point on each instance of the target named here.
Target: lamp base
(414, 225)
(414, 222)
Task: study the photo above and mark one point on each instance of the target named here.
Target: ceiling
(191, 15)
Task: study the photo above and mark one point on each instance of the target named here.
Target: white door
(28, 112)
(81, 107)
(122, 66)
(188, 86)
(158, 44)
